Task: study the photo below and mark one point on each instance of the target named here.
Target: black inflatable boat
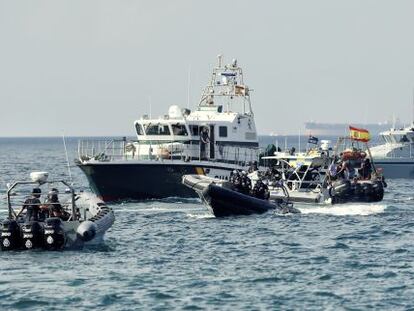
(223, 201)
(367, 191)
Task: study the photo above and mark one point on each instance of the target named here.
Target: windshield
(179, 129)
(157, 129)
(139, 129)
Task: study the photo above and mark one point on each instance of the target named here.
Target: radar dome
(174, 112)
(39, 177)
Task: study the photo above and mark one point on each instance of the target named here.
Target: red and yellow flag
(359, 134)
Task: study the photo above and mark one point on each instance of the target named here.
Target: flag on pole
(359, 134)
(313, 140)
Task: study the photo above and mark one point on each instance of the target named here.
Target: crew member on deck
(53, 206)
(204, 140)
(366, 169)
(32, 206)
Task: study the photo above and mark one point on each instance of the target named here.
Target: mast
(188, 86)
(412, 117)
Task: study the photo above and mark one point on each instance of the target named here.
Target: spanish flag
(359, 134)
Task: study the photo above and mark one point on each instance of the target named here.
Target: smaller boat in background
(68, 221)
(346, 174)
(222, 199)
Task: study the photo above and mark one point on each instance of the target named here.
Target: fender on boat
(86, 230)
(99, 222)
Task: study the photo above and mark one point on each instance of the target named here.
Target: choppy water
(172, 254)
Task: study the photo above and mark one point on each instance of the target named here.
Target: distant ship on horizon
(339, 129)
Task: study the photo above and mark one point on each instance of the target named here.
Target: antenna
(188, 86)
(219, 58)
(150, 106)
(412, 120)
(67, 158)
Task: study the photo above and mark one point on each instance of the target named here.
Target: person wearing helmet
(246, 184)
(32, 206)
(53, 206)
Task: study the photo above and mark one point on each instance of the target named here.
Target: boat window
(194, 130)
(139, 129)
(223, 131)
(179, 129)
(157, 129)
(404, 139)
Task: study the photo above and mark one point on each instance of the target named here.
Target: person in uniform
(53, 206)
(32, 206)
(204, 140)
(366, 169)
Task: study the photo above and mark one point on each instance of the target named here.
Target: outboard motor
(86, 231)
(32, 235)
(358, 191)
(368, 191)
(53, 234)
(10, 235)
(378, 191)
(340, 191)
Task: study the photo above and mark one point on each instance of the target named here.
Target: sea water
(172, 254)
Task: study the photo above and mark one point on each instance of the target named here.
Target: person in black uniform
(366, 169)
(260, 190)
(53, 206)
(204, 140)
(32, 206)
(246, 183)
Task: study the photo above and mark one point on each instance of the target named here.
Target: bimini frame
(12, 213)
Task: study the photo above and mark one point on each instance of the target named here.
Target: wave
(200, 216)
(345, 209)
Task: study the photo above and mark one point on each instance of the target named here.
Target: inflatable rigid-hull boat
(86, 222)
(222, 200)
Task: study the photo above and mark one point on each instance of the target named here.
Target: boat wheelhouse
(396, 155)
(217, 137)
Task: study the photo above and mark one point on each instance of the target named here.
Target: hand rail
(121, 149)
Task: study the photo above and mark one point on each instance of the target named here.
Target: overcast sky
(90, 67)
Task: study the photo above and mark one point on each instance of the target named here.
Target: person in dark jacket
(366, 169)
(32, 206)
(53, 206)
(260, 190)
(204, 141)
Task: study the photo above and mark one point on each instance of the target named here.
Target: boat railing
(124, 150)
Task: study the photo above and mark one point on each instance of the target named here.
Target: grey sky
(89, 67)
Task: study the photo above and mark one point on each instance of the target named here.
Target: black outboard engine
(54, 237)
(10, 235)
(340, 191)
(378, 191)
(368, 192)
(32, 235)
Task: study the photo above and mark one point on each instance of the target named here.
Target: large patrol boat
(214, 139)
(396, 155)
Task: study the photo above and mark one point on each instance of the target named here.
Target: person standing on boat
(366, 169)
(204, 140)
(32, 206)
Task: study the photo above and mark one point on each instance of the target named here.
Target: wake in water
(345, 209)
(201, 216)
